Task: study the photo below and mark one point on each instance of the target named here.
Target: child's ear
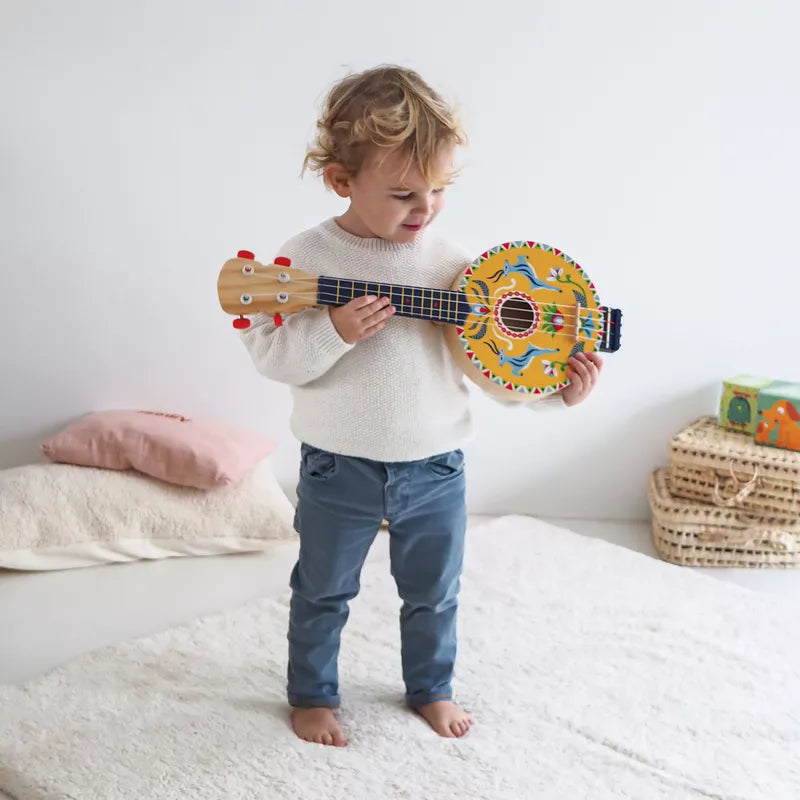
(339, 179)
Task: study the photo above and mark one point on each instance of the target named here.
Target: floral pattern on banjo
(532, 308)
(513, 317)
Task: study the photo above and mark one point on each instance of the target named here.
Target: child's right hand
(361, 317)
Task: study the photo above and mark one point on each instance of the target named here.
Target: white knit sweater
(395, 396)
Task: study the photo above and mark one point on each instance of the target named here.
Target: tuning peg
(241, 323)
(245, 254)
(278, 320)
(282, 261)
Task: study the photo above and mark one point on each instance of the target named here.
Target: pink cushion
(199, 453)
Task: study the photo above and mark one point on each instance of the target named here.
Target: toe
(327, 738)
(338, 739)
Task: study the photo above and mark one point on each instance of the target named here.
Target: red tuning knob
(278, 320)
(245, 254)
(282, 261)
(241, 323)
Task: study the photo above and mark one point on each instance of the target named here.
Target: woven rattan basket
(728, 469)
(696, 534)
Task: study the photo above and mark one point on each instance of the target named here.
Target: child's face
(387, 204)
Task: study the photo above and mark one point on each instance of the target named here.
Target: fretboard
(439, 305)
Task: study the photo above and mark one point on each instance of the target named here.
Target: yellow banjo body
(513, 317)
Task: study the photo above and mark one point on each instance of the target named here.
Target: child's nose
(425, 204)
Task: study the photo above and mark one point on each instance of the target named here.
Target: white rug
(591, 671)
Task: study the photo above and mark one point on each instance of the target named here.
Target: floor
(49, 617)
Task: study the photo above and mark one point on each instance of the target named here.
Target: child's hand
(361, 317)
(583, 371)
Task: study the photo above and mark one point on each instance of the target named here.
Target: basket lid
(708, 443)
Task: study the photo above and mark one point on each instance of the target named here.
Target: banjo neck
(437, 305)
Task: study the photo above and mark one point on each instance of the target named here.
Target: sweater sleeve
(547, 403)
(307, 344)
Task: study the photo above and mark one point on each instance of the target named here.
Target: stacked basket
(726, 501)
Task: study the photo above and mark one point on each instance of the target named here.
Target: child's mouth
(412, 227)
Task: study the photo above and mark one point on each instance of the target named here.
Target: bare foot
(446, 718)
(317, 725)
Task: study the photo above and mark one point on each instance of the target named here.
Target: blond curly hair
(388, 107)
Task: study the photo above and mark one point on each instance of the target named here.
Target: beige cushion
(56, 516)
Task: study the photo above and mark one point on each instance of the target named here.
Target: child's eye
(411, 194)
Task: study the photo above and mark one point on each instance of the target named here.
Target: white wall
(143, 143)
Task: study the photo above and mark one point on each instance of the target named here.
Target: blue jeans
(341, 503)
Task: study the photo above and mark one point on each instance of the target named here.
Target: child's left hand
(583, 371)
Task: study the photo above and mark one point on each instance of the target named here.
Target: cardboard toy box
(738, 408)
(778, 423)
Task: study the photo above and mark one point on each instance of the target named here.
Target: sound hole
(517, 314)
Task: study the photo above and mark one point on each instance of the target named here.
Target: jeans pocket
(445, 465)
(317, 464)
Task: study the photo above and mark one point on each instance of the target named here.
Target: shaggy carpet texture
(591, 672)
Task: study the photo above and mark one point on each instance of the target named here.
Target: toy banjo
(513, 317)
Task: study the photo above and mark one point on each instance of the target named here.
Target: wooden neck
(437, 305)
